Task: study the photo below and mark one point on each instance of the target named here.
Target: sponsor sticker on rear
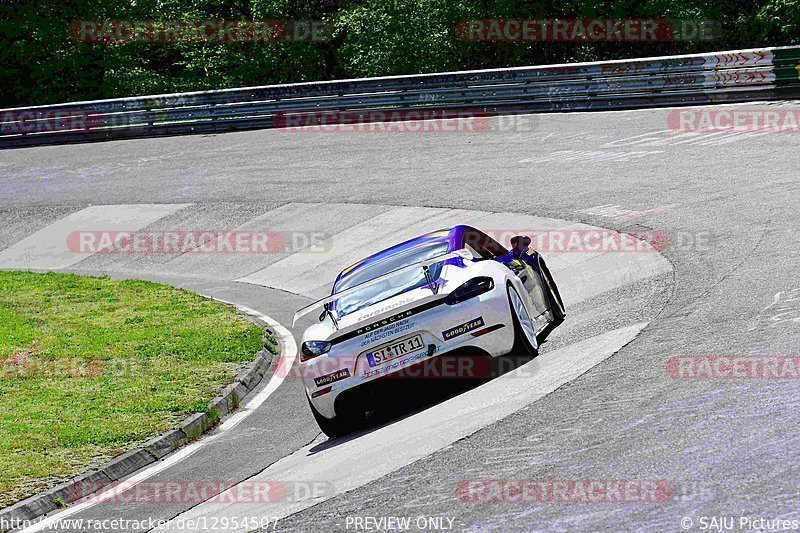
(466, 327)
(327, 379)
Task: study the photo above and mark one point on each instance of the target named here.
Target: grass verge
(90, 368)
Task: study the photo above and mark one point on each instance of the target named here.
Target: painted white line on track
(286, 361)
(302, 272)
(49, 248)
(296, 232)
(580, 275)
(349, 464)
(310, 273)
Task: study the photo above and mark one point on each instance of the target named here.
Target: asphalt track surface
(727, 202)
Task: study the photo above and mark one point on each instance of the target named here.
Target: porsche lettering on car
(444, 292)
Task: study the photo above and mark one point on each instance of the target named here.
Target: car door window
(482, 246)
(475, 253)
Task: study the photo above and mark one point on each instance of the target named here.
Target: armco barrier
(736, 76)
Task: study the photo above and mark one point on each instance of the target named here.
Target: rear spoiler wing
(461, 254)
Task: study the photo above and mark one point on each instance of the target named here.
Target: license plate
(397, 349)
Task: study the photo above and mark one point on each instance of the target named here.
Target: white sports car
(453, 291)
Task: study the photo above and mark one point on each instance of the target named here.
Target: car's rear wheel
(524, 331)
(557, 311)
(556, 304)
(337, 426)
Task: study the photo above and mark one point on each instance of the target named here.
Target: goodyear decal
(463, 328)
(327, 379)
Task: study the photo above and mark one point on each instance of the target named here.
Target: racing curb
(156, 448)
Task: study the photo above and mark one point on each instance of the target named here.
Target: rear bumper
(441, 371)
(445, 330)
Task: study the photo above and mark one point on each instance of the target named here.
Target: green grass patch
(90, 368)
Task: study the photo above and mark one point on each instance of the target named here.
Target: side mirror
(519, 245)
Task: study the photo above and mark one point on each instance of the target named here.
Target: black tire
(522, 346)
(553, 296)
(337, 426)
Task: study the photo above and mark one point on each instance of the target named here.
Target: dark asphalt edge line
(155, 449)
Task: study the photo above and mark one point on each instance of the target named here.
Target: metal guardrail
(735, 76)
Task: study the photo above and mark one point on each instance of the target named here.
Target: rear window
(392, 286)
(481, 245)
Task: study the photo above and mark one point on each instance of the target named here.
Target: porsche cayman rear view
(440, 293)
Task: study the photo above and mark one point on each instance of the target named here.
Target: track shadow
(396, 397)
